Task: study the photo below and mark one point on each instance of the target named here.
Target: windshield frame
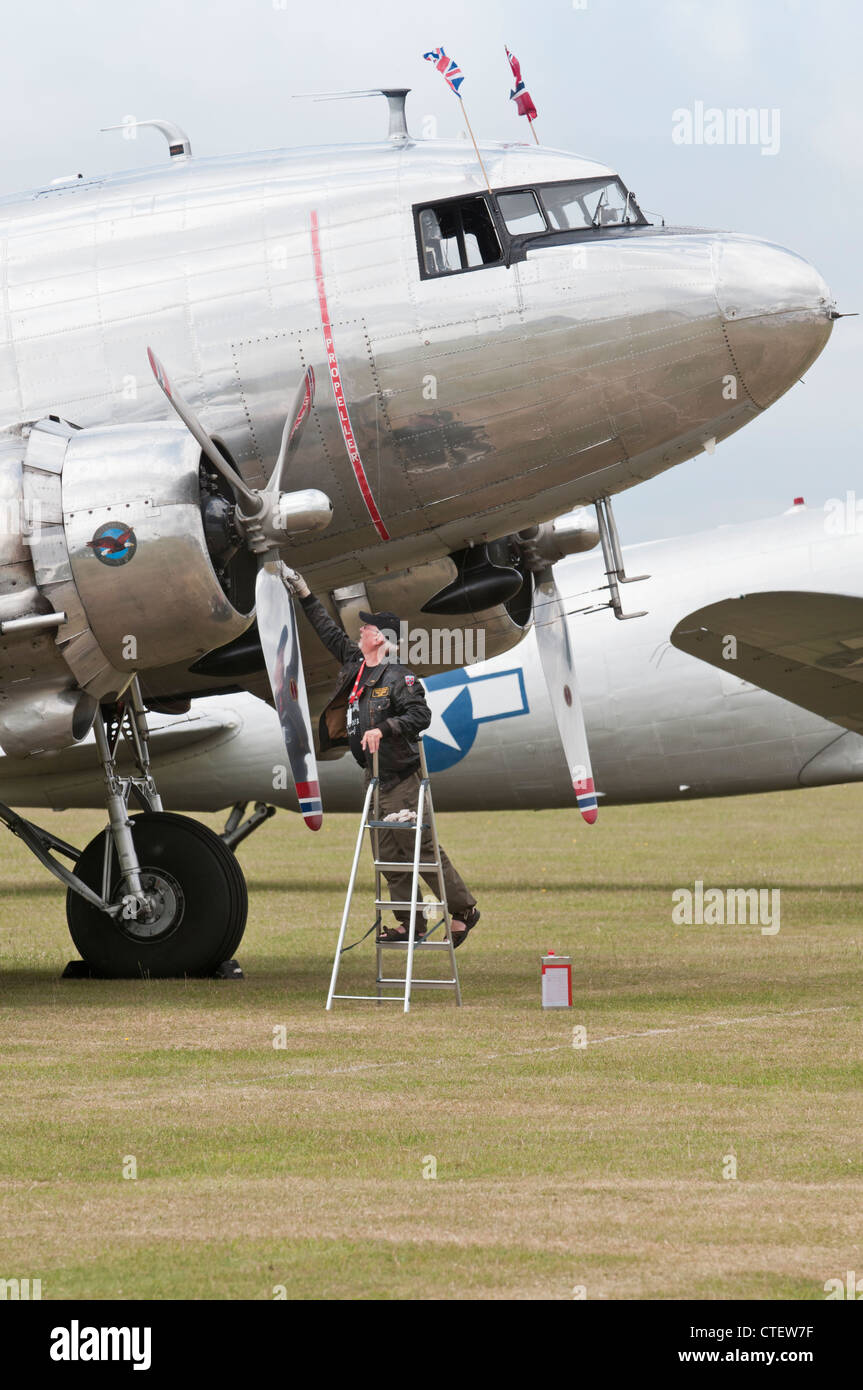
(630, 204)
(515, 245)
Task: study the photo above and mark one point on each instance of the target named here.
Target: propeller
(265, 518)
(558, 667)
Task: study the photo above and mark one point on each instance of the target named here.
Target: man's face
(372, 643)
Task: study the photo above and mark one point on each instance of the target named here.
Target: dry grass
(555, 1166)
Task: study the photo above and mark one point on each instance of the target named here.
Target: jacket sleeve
(334, 638)
(412, 712)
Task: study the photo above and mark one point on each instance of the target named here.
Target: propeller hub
(282, 515)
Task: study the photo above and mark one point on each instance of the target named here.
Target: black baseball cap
(385, 621)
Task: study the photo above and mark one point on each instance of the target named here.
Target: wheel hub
(160, 915)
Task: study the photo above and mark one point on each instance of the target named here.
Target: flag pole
(475, 145)
(532, 131)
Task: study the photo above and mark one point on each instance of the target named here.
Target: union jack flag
(448, 68)
(521, 96)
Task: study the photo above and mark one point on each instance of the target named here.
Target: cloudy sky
(606, 76)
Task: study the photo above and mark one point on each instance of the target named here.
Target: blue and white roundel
(460, 703)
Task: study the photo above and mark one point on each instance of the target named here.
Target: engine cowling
(114, 543)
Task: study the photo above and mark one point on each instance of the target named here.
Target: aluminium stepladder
(425, 819)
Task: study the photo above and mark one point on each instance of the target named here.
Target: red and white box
(556, 982)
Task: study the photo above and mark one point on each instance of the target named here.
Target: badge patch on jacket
(380, 690)
(409, 680)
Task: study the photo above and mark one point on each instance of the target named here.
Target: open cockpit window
(457, 235)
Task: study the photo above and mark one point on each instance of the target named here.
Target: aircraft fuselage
(473, 403)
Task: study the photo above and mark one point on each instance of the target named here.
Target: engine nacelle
(109, 573)
(138, 560)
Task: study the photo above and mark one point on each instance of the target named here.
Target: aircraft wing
(170, 737)
(804, 647)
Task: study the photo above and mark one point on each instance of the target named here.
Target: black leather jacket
(391, 699)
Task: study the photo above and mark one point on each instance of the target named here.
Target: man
(380, 707)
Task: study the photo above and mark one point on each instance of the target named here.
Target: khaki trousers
(399, 844)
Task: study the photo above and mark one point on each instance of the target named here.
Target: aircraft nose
(777, 312)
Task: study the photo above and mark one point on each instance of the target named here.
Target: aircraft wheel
(201, 903)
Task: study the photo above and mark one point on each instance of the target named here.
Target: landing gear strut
(155, 894)
(236, 829)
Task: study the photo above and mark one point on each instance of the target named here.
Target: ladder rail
(415, 883)
(440, 878)
(350, 893)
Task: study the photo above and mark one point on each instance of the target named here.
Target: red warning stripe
(336, 378)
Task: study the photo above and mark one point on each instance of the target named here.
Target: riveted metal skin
(166, 595)
(479, 403)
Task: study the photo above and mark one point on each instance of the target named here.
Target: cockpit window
(600, 202)
(521, 213)
(457, 235)
(466, 233)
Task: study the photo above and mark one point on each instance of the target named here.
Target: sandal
(391, 934)
(470, 919)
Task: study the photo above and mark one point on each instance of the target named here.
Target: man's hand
(295, 582)
(372, 740)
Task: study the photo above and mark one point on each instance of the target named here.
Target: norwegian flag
(521, 96)
(448, 68)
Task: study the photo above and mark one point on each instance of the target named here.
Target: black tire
(204, 896)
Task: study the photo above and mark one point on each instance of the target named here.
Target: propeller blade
(196, 429)
(277, 629)
(294, 426)
(558, 667)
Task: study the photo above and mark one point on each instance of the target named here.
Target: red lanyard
(353, 695)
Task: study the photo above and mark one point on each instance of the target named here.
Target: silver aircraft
(364, 360)
(775, 709)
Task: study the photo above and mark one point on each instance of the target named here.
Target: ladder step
(377, 998)
(429, 902)
(395, 825)
(417, 984)
(418, 945)
(400, 864)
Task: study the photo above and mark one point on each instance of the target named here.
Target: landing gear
(195, 901)
(236, 829)
(154, 894)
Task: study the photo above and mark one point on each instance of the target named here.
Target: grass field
(557, 1167)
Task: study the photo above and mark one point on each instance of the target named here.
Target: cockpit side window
(457, 235)
(520, 212)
